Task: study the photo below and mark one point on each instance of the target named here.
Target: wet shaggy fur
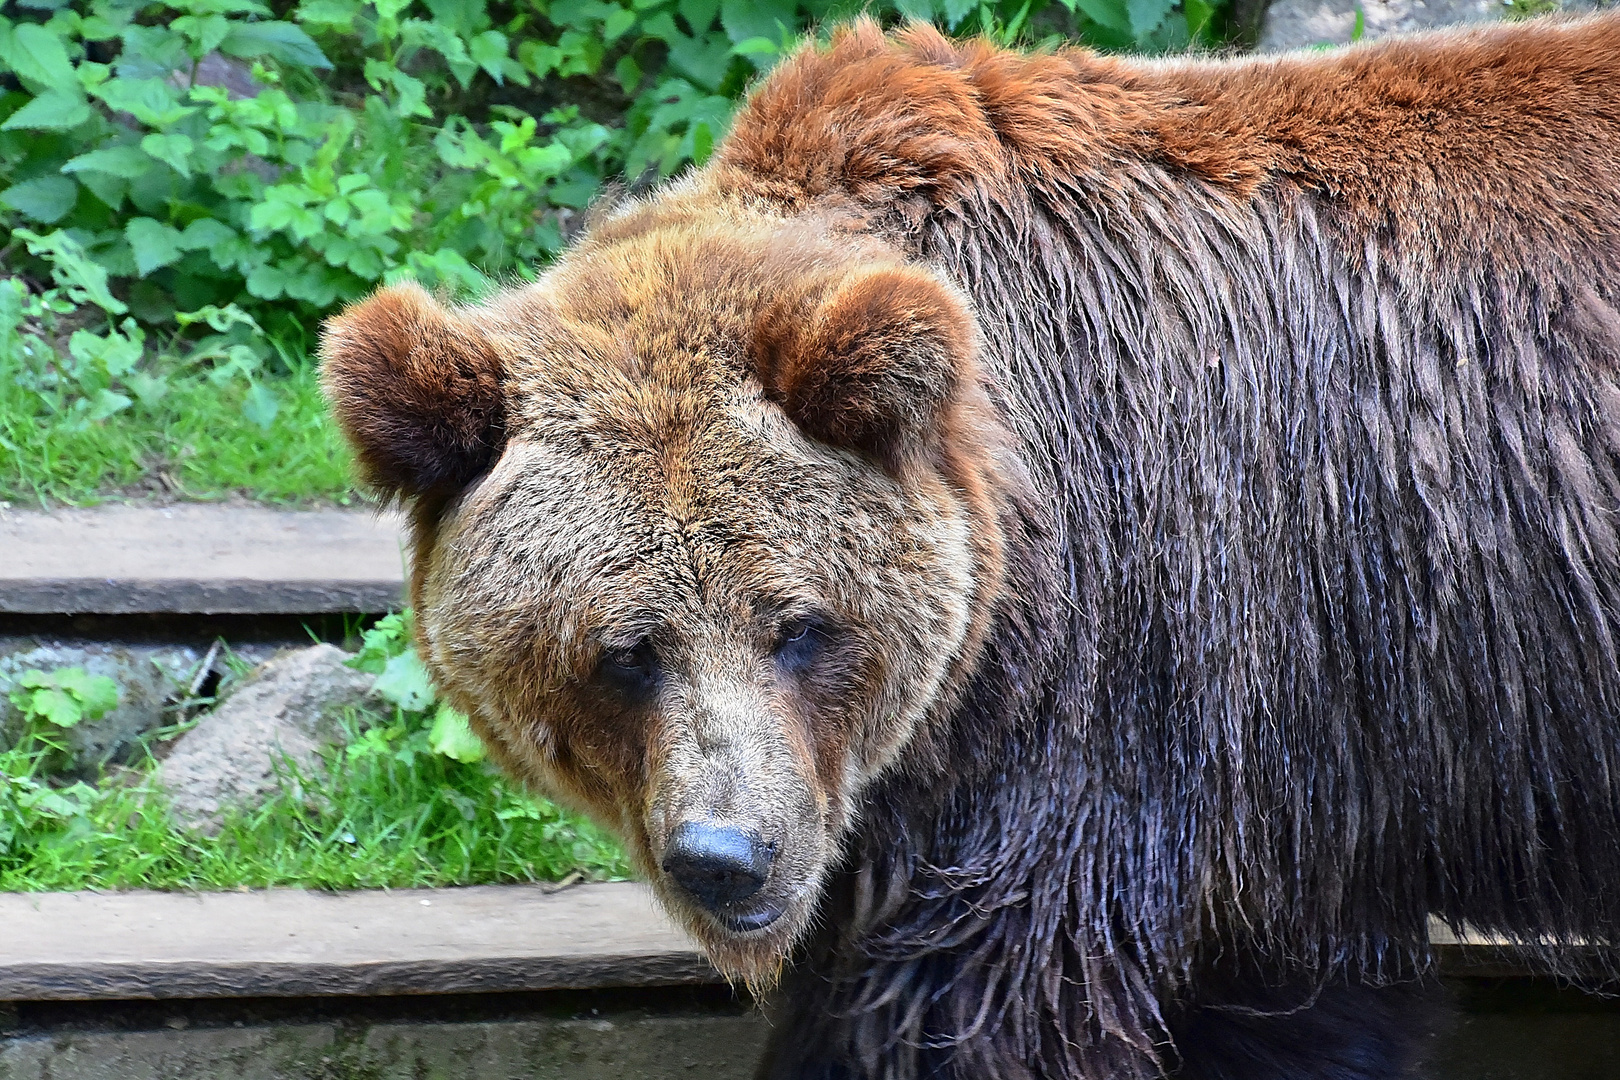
(1287, 430)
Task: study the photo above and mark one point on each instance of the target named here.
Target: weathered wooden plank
(278, 943)
(199, 559)
(291, 943)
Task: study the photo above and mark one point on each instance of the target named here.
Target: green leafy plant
(188, 186)
(64, 697)
(403, 680)
(402, 800)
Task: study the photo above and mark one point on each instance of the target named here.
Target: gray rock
(288, 706)
(149, 678)
(1298, 24)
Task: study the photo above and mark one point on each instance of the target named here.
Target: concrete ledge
(291, 943)
(200, 559)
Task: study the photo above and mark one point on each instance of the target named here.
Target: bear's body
(1100, 551)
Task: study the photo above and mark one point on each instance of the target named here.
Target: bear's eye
(799, 642)
(631, 671)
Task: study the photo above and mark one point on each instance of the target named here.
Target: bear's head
(708, 535)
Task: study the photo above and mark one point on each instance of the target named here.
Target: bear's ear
(417, 390)
(875, 365)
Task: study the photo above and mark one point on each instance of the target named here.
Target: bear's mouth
(747, 922)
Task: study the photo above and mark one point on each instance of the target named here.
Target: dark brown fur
(1239, 588)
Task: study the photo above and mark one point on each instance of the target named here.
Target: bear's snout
(717, 865)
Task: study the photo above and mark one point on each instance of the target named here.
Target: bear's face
(724, 553)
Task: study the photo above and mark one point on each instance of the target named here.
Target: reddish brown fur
(419, 391)
(1409, 141)
(874, 367)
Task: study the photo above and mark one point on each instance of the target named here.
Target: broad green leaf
(40, 59)
(105, 403)
(334, 13)
(769, 19)
(406, 683)
(51, 111)
(618, 24)
(628, 72)
(699, 14)
(113, 353)
(46, 199)
(126, 162)
(260, 405)
(1146, 15)
(174, 150)
(148, 389)
(205, 234)
(151, 101)
(453, 737)
(154, 243)
(281, 41)
(443, 40)
(915, 9)
(204, 32)
(955, 11)
(1198, 14)
(488, 50)
(98, 694)
(1109, 13)
(152, 52)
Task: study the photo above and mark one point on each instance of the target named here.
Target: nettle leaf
(125, 162)
(40, 59)
(1146, 15)
(151, 101)
(206, 234)
(47, 199)
(489, 51)
(1108, 13)
(204, 32)
(173, 150)
(53, 110)
(453, 737)
(154, 243)
(281, 41)
(338, 14)
(151, 52)
(406, 682)
(441, 39)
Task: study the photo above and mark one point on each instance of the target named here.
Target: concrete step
(293, 943)
(200, 559)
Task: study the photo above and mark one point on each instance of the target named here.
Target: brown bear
(1058, 564)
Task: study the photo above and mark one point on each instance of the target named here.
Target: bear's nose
(717, 864)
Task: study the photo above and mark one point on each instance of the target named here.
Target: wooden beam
(200, 559)
(292, 943)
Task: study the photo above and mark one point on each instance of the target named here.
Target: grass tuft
(386, 812)
(193, 443)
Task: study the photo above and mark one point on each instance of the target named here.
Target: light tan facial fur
(722, 570)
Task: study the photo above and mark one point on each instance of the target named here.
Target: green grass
(386, 813)
(194, 443)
